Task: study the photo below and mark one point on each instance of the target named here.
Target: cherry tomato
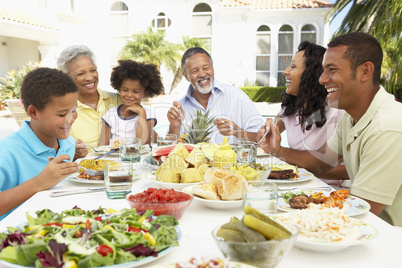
(134, 230)
(98, 218)
(88, 224)
(104, 250)
(78, 234)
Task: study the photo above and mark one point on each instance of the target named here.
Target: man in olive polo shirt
(368, 138)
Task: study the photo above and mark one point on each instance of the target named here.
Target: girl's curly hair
(147, 74)
(310, 101)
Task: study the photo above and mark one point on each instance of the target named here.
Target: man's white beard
(206, 89)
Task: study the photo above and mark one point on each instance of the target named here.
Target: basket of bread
(220, 184)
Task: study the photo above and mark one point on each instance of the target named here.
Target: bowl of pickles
(256, 239)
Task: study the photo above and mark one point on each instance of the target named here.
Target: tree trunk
(178, 76)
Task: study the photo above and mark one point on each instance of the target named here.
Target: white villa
(251, 41)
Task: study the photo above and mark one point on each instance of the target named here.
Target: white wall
(21, 51)
(4, 66)
(233, 33)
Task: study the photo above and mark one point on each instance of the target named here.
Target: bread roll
(214, 175)
(231, 187)
(206, 190)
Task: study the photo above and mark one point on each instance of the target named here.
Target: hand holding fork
(271, 123)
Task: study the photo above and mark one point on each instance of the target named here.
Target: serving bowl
(265, 254)
(167, 205)
(251, 171)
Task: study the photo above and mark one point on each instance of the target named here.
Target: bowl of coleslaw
(325, 229)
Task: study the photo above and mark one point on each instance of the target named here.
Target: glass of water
(166, 140)
(261, 195)
(118, 179)
(131, 151)
(246, 152)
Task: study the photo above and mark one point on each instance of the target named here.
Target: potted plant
(10, 94)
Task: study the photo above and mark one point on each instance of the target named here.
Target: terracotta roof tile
(276, 4)
(13, 14)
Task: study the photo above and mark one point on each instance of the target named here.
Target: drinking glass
(166, 140)
(118, 179)
(131, 151)
(246, 152)
(261, 195)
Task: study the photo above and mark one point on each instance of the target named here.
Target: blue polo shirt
(23, 156)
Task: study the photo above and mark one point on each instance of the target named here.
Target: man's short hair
(190, 52)
(361, 48)
(41, 85)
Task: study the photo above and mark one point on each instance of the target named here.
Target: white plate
(168, 185)
(353, 205)
(74, 178)
(366, 231)
(260, 152)
(106, 148)
(235, 264)
(216, 204)
(304, 175)
(127, 264)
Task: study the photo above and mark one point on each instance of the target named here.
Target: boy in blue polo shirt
(50, 99)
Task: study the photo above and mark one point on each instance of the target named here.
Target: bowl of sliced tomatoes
(161, 201)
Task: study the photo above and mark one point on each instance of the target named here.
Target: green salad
(79, 238)
(289, 195)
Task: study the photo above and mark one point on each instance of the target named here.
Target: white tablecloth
(198, 222)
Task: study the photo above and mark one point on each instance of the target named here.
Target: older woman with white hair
(78, 62)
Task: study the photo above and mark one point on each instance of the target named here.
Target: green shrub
(10, 85)
(264, 94)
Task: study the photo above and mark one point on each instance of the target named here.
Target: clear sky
(334, 25)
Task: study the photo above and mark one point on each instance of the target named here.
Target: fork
(266, 133)
(183, 123)
(93, 148)
(258, 143)
(230, 126)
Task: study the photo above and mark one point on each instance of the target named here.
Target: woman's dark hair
(310, 101)
(148, 75)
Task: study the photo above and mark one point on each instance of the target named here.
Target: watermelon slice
(165, 151)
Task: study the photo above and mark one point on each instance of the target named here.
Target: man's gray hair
(71, 53)
(190, 52)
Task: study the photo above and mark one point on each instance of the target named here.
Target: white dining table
(198, 221)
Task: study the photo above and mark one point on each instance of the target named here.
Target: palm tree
(151, 47)
(188, 42)
(383, 20)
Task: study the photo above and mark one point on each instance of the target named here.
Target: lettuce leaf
(95, 260)
(26, 254)
(165, 237)
(8, 254)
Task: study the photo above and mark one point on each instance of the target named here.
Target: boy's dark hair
(362, 48)
(190, 52)
(147, 74)
(41, 85)
(310, 101)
